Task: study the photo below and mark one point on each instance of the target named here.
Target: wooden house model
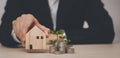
(36, 40)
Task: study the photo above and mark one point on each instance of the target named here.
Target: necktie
(53, 4)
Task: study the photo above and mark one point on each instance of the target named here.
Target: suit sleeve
(13, 9)
(100, 25)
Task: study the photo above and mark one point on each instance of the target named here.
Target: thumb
(43, 28)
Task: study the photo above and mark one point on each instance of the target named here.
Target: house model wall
(36, 40)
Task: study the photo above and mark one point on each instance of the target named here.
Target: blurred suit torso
(70, 17)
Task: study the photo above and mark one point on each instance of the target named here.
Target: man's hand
(22, 25)
(51, 37)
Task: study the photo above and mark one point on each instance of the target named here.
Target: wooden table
(81, 51)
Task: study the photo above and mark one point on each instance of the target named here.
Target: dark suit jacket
(70, 17)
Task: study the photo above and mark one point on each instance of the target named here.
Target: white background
(112, 6)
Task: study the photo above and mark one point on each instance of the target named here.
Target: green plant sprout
(67, 43)
(62, 37)
(58, 32)
(53, 41)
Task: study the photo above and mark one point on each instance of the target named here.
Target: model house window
(41, 37)
(37, 37)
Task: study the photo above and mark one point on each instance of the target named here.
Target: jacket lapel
(45, 14)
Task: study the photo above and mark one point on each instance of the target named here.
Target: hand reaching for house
(22, 25)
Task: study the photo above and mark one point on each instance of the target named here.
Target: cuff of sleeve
(14, 37)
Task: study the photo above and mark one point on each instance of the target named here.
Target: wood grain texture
(37, 39)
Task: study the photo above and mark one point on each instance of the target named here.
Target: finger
(23, 44)
(14, 26)
(23, 29)
(23, 34)
(24, 24)
(51, 37)
(44, 29)
(47, 31)
(22, 21)
(23, 39)
(18, 26)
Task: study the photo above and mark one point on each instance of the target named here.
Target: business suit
(70, 17)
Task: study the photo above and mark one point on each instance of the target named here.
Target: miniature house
(36, 40)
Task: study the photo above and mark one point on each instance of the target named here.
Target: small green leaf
(53, 41)
(61, 31)
(62, 37)
(53, 31)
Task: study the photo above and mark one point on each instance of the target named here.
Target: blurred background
(112, 6)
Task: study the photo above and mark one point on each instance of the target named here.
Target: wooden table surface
(81, 51)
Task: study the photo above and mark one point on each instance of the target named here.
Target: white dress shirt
(53, 4)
